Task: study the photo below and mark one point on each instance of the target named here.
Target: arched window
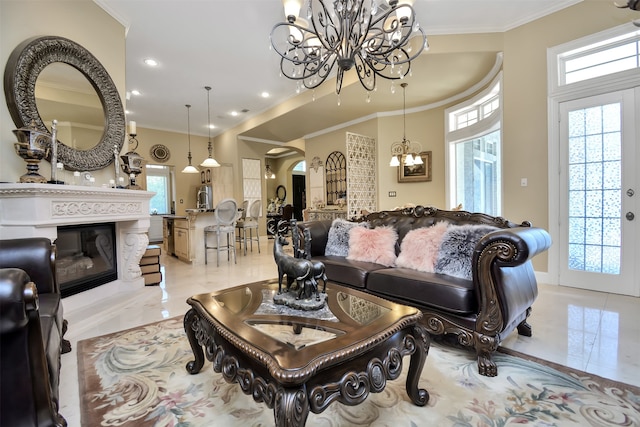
(474, 145)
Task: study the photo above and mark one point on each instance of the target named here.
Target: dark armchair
(31, 334)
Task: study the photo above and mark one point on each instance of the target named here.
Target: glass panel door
(597, 200)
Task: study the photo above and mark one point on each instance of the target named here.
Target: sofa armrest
(513, 246)
(18, 296)
(318, 231)
(504, 276)
(36, 256)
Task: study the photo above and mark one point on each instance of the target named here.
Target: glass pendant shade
(209, 162)
(394, 161)
(190, 169)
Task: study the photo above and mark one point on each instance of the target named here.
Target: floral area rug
(138, 378)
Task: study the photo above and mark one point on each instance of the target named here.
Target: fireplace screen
(86, 257)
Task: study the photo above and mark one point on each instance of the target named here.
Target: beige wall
(525, 136)
(79, 20)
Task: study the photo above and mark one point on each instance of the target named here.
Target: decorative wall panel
(362, 180)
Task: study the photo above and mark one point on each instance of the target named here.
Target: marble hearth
(36, 210)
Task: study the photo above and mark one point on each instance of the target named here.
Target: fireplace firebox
(86, 257)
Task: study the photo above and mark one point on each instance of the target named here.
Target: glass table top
(291, 336)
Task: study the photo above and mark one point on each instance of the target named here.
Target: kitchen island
(184, 235)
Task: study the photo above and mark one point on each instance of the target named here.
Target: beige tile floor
(592, 331)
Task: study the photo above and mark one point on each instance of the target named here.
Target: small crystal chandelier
(189, 168)
(370, 35)
(268, 173)
(409, 151)
(209, 162)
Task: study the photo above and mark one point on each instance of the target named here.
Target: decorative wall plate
(160, 153)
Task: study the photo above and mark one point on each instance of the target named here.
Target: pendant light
(189, 168)
(405, 149)
(209, 162)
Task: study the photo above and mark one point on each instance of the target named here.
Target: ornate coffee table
(299, 361)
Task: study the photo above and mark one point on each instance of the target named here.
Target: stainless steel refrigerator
(204, 197)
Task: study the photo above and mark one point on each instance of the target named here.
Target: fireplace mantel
(36, 210)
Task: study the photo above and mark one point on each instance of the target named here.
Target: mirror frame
(26, 62)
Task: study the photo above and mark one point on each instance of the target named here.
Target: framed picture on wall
(201, 177)
(208, 176)
(416, 173)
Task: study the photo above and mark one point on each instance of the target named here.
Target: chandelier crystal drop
(189, 168)
(405, 149)
(375, 37)
(209, 162)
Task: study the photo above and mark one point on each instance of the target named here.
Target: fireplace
(47, 210)
(86, 257)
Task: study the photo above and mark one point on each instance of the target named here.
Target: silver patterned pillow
(338, 237)
(456, 249)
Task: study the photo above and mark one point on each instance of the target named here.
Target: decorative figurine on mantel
(32, 146)
(132, 161)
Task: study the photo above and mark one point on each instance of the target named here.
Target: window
(300, 167)
(607, 58)
(159, 181)
(474, 152)
(613, 55)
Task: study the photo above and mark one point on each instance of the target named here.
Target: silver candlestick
(54, 153)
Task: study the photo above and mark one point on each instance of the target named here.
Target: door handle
(630, 216)
(630, 192)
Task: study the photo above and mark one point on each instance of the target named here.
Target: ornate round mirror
(281, 192)
(28, 63)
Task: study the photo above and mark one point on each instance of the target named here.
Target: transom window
(618, 53)
(480, 109)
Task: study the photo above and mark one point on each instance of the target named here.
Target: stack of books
(150, 266)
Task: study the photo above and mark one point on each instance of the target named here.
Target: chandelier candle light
(189, 168)
(374, 36)
(209, 162)
(268, 173)
(410, 151)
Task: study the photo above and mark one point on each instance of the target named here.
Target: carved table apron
(294, 379)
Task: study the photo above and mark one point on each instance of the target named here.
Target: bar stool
(251, 224)
(225, 215)
(240, 222)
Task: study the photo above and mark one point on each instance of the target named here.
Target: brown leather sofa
(479, 312)
(31, 334)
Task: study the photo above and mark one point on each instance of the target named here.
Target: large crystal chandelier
(374, 36)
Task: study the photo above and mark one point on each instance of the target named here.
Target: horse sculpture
(298, 269)
(318, 266)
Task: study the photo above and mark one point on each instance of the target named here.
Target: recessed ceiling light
(265, 94)
(234, 113)
(151, 62)
(135, 92)
(212, 126)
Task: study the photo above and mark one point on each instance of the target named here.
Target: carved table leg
(291, 407)
(190, 321)
(421, 341)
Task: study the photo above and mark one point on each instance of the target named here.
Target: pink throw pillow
(419, 248)
(373, 245)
